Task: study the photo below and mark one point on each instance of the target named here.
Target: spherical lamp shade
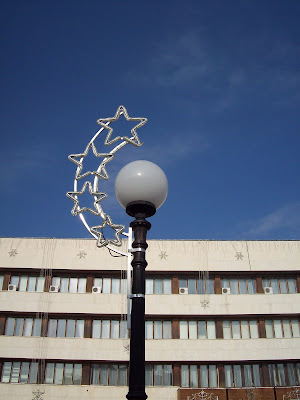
(141, 181)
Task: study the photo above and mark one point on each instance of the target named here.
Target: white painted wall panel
(65, 392)
(181, 255)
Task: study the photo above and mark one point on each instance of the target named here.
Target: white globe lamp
(141, 187)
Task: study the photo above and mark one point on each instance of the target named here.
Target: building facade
(222, 320)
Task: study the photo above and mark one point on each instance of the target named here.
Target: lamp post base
(136, 396)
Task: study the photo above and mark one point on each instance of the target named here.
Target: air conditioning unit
(183, 290)
(12, 288)
(96, 289)
(268, 290)
(225, 290)
(53, 289)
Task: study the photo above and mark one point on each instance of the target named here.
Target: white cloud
(194, 64)
(180, 60)
(284, 220)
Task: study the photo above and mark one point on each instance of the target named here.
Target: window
(25, 283)
(240, 329)
(198, 286)
(19, 372)
(23, 326)
(69, 284)
(158, 330)
(158, 286)
(251, 375)
(109, 329)
(281, 285)
(158, 375)
(228, 375)
(285, 328)
(242, 375)
(112, 285)
(109, 374)
(279, 378)
(239, 285)
(207, 377)
(197, 329)
(63, 373)
(65, 328)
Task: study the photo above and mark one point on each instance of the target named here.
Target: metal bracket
(136, 249)
(130, 296)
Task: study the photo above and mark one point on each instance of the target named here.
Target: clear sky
(219, 82)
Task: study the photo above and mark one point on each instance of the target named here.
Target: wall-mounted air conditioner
(53, 289)
(183, 290)
(268, 290)
(12, 288)
(96, 289)
(225, 290)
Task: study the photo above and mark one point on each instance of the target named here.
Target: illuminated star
(77, 210)
(98, 230)
(204, 303)
(134, 139)
(102, 174)
(81, 254)
(12, 252)
(239, 255)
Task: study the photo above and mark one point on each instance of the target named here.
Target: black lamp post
(141, 188)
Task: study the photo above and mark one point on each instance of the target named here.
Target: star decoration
(126, 348)
(98, 230)
(294, 395)
(12, 252)
(163, 255)
(202, 396)
(134, 139)
(38, 395)
(239, 255)
(77, 210)
(204, 303)
(81, 254)
(102, 174)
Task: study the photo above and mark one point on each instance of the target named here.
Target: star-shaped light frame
(99, 197)
(134, 139)
(101, 174)
(98, 231)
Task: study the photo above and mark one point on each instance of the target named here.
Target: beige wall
(87, 303)
(81, 303)
(156, 350)
(242, 304)
(69, 392)
(181, 255)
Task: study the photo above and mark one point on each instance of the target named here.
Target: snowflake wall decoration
(93, 182)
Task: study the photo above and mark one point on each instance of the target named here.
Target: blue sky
(218, 81)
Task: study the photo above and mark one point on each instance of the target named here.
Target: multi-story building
(222, 320)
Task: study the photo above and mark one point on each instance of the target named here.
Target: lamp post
(141, 188)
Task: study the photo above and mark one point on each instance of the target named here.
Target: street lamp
(141, 188)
